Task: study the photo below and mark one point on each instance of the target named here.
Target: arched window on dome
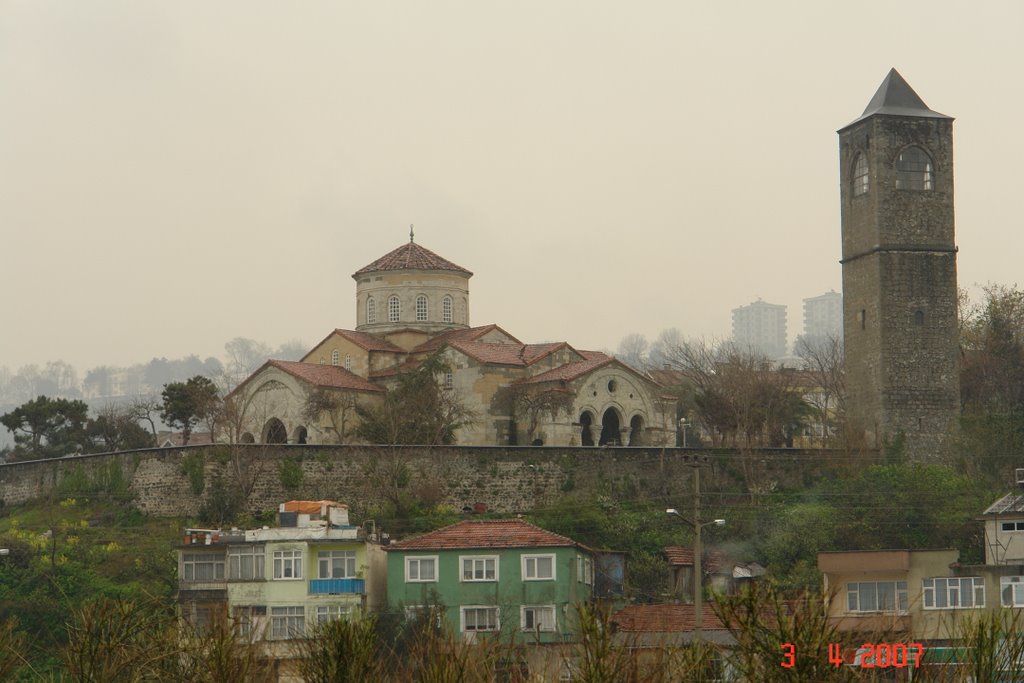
(421, 308)
(371, 311)
(335, 357)
(446, 309)
(394, 309)
(914, 170)
(860, 175)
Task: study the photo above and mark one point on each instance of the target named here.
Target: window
(348, 362)
(420, 569)
(538, 567)
(246, 563)
(537, 618)
(421, 308)
(394, 309)
(335, 357)
(326, 613)
(914, 170)
(371, 311)
(860, 175)
(449, 379)
(423, 614)
(249, 620)
(446, 309)
(877, 596)
(955, 592)
(337, 564)
(287, 564)
(1011, 588)
(1012, 526)
(484, 568)
(479, 618)
(202, 567)
(919, 318)
(585, 570)
(287, 622)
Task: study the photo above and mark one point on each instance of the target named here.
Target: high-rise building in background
(823, 316)
(760, 327)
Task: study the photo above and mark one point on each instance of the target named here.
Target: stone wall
(176, 481)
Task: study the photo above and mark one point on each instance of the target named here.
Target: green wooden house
(494, 578)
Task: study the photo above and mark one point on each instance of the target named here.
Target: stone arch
(586, 422)
(247, 437)
(636, 431)
(611, 423)
(300, 435)
(274, 431)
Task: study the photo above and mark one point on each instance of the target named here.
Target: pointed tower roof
(410, 256)
(895, 97)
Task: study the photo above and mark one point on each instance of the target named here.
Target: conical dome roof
(410, 256)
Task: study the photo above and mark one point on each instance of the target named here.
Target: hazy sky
(176, 174)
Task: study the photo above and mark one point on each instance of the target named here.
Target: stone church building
(412, 303)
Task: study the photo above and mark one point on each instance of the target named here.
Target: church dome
(411, 287)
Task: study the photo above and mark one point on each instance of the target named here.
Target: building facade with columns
(412, 303)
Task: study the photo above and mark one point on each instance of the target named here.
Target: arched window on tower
(421, 308)
(860, 175)
(394, 309)
(335, 357)
(371, 311)
(446, 309)
(914, 170)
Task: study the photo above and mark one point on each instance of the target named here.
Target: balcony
(337, 586)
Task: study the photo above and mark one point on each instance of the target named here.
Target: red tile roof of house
(679, 556)
(410, 256)
(329, 376)
(664, 619)
(464, 334)
(714, 560)
(483, 534)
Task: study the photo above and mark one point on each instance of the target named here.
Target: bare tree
(823, 361)
(526, 404)
(633, 351)
(338, 406)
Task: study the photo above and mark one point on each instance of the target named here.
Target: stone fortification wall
(177, 481)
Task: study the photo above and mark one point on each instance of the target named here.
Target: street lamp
(698, 573)
(684, 425)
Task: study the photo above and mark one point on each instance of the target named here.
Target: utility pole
(698, 549)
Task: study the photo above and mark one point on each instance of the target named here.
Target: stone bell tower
(899, 273)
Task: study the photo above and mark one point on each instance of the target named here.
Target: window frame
(477, 609)
(325, 613)
(394, 309)
(525, 565)
(912, 178)
(952, 590)
(1011, 582)
(861, 177)
(287, 622)
(899, 592)
(551, 627)
(1015, 526)
(294, 558)
(335, 357)
(217, 560)
(474, 559)
(585, 570)
(348, 558)
(447, 309)
(371, 311)
(257, 554)
(422, 308)
(418, 559)
(348, 362)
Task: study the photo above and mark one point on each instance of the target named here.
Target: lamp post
(698, 573)
(684, 425)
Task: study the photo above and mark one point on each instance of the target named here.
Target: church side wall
(175, 482)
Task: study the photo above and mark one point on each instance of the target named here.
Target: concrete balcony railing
(337, 586)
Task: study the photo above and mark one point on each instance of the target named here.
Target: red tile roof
(410, 256)
(330, 376)
(714, 560)
(664, 619)
(500, 354)
(465, 334)
(571, 371)
(483, 534)
(535, 352)
(679, 556)
(370, 342)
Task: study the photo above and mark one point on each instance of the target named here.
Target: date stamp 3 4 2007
(868, 656)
